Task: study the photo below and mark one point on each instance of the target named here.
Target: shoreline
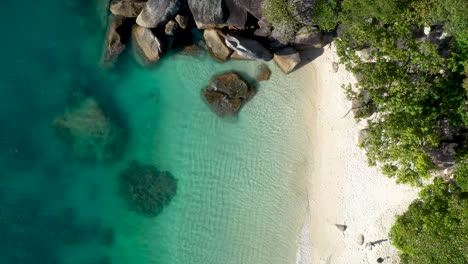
(342, 188)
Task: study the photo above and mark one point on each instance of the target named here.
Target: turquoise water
(240, 194)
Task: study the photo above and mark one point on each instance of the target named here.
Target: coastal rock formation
(127, 8)
(145, 189)
(248, 48)
(216, 46)
(287, 59)
(147, 46)
(90, 134)
(113, 44)
(158, 12)
(263, 73)
(308, 38)
(226, 93)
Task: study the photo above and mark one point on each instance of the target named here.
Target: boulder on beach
(287, 59)
(147, 47)
(113, 45)
(226, 93)
(157, 13)
(342, 228)
(89, 133)
(146, 189)
(248, 47)
(127, 8)
(216, 45)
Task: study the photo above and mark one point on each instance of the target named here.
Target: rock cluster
(227, 93)
(232, 29)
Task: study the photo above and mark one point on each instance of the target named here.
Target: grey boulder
(157, 13)
(113, 44)
(248, 47)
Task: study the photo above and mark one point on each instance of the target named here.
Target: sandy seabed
(342, 188)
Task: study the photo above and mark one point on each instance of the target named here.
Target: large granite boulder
(127, 8)
(215, 13)
(113, 45)
(157, 13)
(263, 73)
(287, 59)
(248, 47)
(147, 46)
(216, 45)
(145, 189)
(308, 38)
(207, 13)
(226, 93)
(89, 133)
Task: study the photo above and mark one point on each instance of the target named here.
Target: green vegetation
(435, 227)
(280, 15)
(412, 83)
(411, 60)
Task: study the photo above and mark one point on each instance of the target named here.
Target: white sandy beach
(343, 189)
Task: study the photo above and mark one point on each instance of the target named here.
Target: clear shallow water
(240, 195)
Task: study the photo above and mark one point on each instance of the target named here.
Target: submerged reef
(89, 132)
(145, 189)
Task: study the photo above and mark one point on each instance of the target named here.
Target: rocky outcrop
(146, 45)
(226, 93)
(127, 8)
(145, 189)
(308, 38)
(89, 133)
(157, 13)
(113, 44)
(248, 47)
(263, 73)
(207, 13)
(287, 59)
(216, 45)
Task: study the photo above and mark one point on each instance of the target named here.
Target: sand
(342, 188)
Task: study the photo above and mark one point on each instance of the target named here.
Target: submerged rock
(227, 92)
(127, 8)
(146, 45)
(113, 44)
(145, 189)
(248, 47)
(263, 73)
(157, 13)
(90, 134)
(216, 46)
(287, 59)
